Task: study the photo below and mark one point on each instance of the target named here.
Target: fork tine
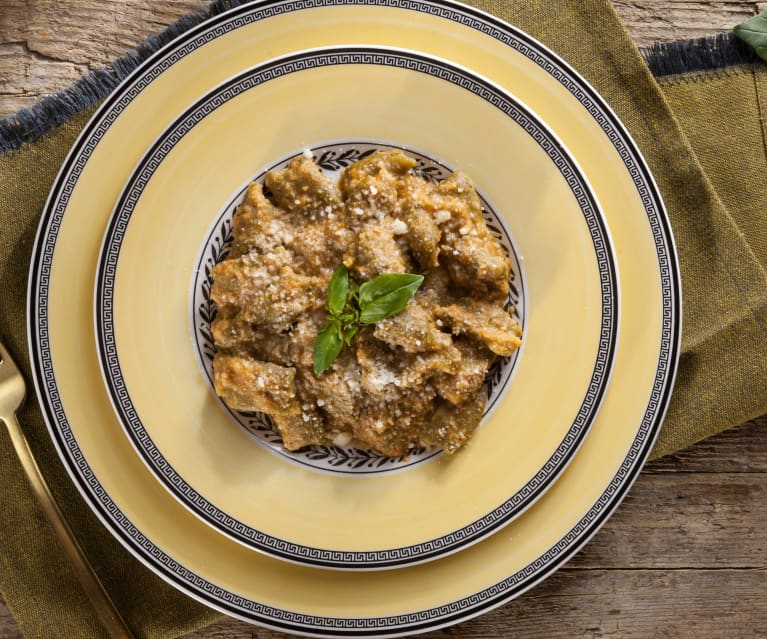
(7, 366)
(6, 361)
(12, 387)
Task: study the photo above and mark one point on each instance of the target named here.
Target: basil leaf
(338, 290)
(387, 295)
(384, 284)
(754, 32)
(350, 332)
(327, 346)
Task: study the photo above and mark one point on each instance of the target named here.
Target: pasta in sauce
(412, 380)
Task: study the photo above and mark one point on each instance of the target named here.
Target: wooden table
(686, 553)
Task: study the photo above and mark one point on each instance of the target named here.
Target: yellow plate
(224, 574)
(367, 516)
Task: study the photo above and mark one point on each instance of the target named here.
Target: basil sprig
(383, 296)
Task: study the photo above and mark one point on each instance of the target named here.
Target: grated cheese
(342, 439)
(398, 227)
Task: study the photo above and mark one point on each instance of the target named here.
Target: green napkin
(700, 127)
(722, 379)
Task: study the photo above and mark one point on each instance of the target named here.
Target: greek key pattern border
(319, 556)
(283, 619)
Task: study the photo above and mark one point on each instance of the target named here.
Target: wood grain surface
(686, 553)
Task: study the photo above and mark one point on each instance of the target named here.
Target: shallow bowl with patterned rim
(332, 158)
(171, 225)
(228, 576)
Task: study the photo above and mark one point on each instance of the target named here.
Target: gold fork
(12, 394)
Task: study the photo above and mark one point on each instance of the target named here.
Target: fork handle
(105, 608)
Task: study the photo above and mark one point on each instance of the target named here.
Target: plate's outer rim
(498, 594)
(356, 560)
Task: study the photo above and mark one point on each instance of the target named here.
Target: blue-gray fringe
(702, 54)
(684, 56)
(29, 124)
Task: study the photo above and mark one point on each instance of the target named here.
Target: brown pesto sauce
(412, 380)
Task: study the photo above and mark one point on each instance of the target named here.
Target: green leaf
(338, 290)
(327, 346)
(350, 332)
(754, 32)
(385, 284)
(386, 295)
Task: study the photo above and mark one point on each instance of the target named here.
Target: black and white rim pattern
(430, 549)
(407, 623)
(332, 158)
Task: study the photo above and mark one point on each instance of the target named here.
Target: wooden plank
(53, 38)
(651, 21)
(45, 45)
(573, 604)
(25, 76)
(707, 604)
(680, 520)
(90, 32)
(738, 450)
(8, 627)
